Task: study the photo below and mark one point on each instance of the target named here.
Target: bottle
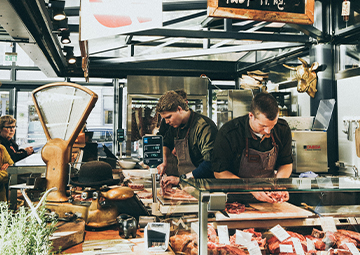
(345, 10)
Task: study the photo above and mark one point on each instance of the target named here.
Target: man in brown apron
(170, 158)
(191, 139)
(254, 145)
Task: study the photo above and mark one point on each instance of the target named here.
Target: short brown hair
(182, 93)
(266, 104)
(170, 101)
(6, 119)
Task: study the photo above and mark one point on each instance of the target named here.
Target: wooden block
(68, 234)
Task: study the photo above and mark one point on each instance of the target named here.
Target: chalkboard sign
(153, 150)
(290, 11)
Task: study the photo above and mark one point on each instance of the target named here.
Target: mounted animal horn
(304, 62)
(290, 67)
(306, 77)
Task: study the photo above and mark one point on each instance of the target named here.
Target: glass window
(5, 75)
(108, 109)
(4, 103)
(35, 76)
(29, 129)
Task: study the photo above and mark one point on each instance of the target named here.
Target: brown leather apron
(182, 152)
(257, 164)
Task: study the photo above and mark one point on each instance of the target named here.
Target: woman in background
(7, 132)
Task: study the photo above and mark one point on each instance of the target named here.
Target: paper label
(305, 183)
(324, 183)
(345, 10)
(223, 234)
(297, 245)
(328, 224)
(353, 248)
(253, 248)
(243, 238)
(286, 248)
(310, 244)
(348, 183)
(280, 233)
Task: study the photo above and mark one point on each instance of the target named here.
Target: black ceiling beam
(349, 35)
(275, 60)
(218, 70)
(184, 5)
(184, 18)
(37, 23)
(312, 32)
(222, 35)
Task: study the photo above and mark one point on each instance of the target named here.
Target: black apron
(257, 164)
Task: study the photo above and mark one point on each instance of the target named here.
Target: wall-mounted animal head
(306, 77)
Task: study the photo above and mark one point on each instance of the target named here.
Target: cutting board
(266, 211)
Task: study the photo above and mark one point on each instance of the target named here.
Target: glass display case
(311, 203)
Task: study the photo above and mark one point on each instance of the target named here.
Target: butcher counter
(323, 203)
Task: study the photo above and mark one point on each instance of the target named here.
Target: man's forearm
(284, 171)
(225, 175)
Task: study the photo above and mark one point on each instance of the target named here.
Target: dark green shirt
(230, 143)
(201, 137)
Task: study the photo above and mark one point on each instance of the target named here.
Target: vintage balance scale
(63, 109)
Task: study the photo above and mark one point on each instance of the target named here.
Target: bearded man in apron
(256, 145)
(191, 139)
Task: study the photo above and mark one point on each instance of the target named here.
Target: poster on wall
(103, 18)
(288, 11)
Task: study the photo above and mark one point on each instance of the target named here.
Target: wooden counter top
(112, 233)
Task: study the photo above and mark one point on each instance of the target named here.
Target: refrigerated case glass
(313, 203)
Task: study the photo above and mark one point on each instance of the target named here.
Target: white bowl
(127, 164)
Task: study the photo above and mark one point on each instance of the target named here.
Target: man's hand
(29, 150)
(161, 168)
(171, 181)
(174, 152)
(272, 197)
(262, 196)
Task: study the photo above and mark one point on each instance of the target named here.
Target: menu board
(153, 150)
(291, 11)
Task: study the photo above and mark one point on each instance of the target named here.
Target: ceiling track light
(61, 25)
(70, 58)
(65, 37)
(57, 8)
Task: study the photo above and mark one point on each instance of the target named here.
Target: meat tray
(266, 211)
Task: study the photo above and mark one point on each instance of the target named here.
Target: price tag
(253, 248)
(286, 248)
(310, 244)
(297, 245)
(353, 248)
(223, 234)
(324, 183)
(305, 183)
(345, 10)
(348, 183)
(280, 233)
(243, 238)
(328, 224)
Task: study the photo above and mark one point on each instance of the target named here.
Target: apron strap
(188, 131)
(247, 145)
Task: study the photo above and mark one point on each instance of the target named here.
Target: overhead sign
(10, 56)
(153, 150)
(288, 11)
(103, 18)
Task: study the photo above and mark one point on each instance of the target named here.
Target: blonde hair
(6, 119)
